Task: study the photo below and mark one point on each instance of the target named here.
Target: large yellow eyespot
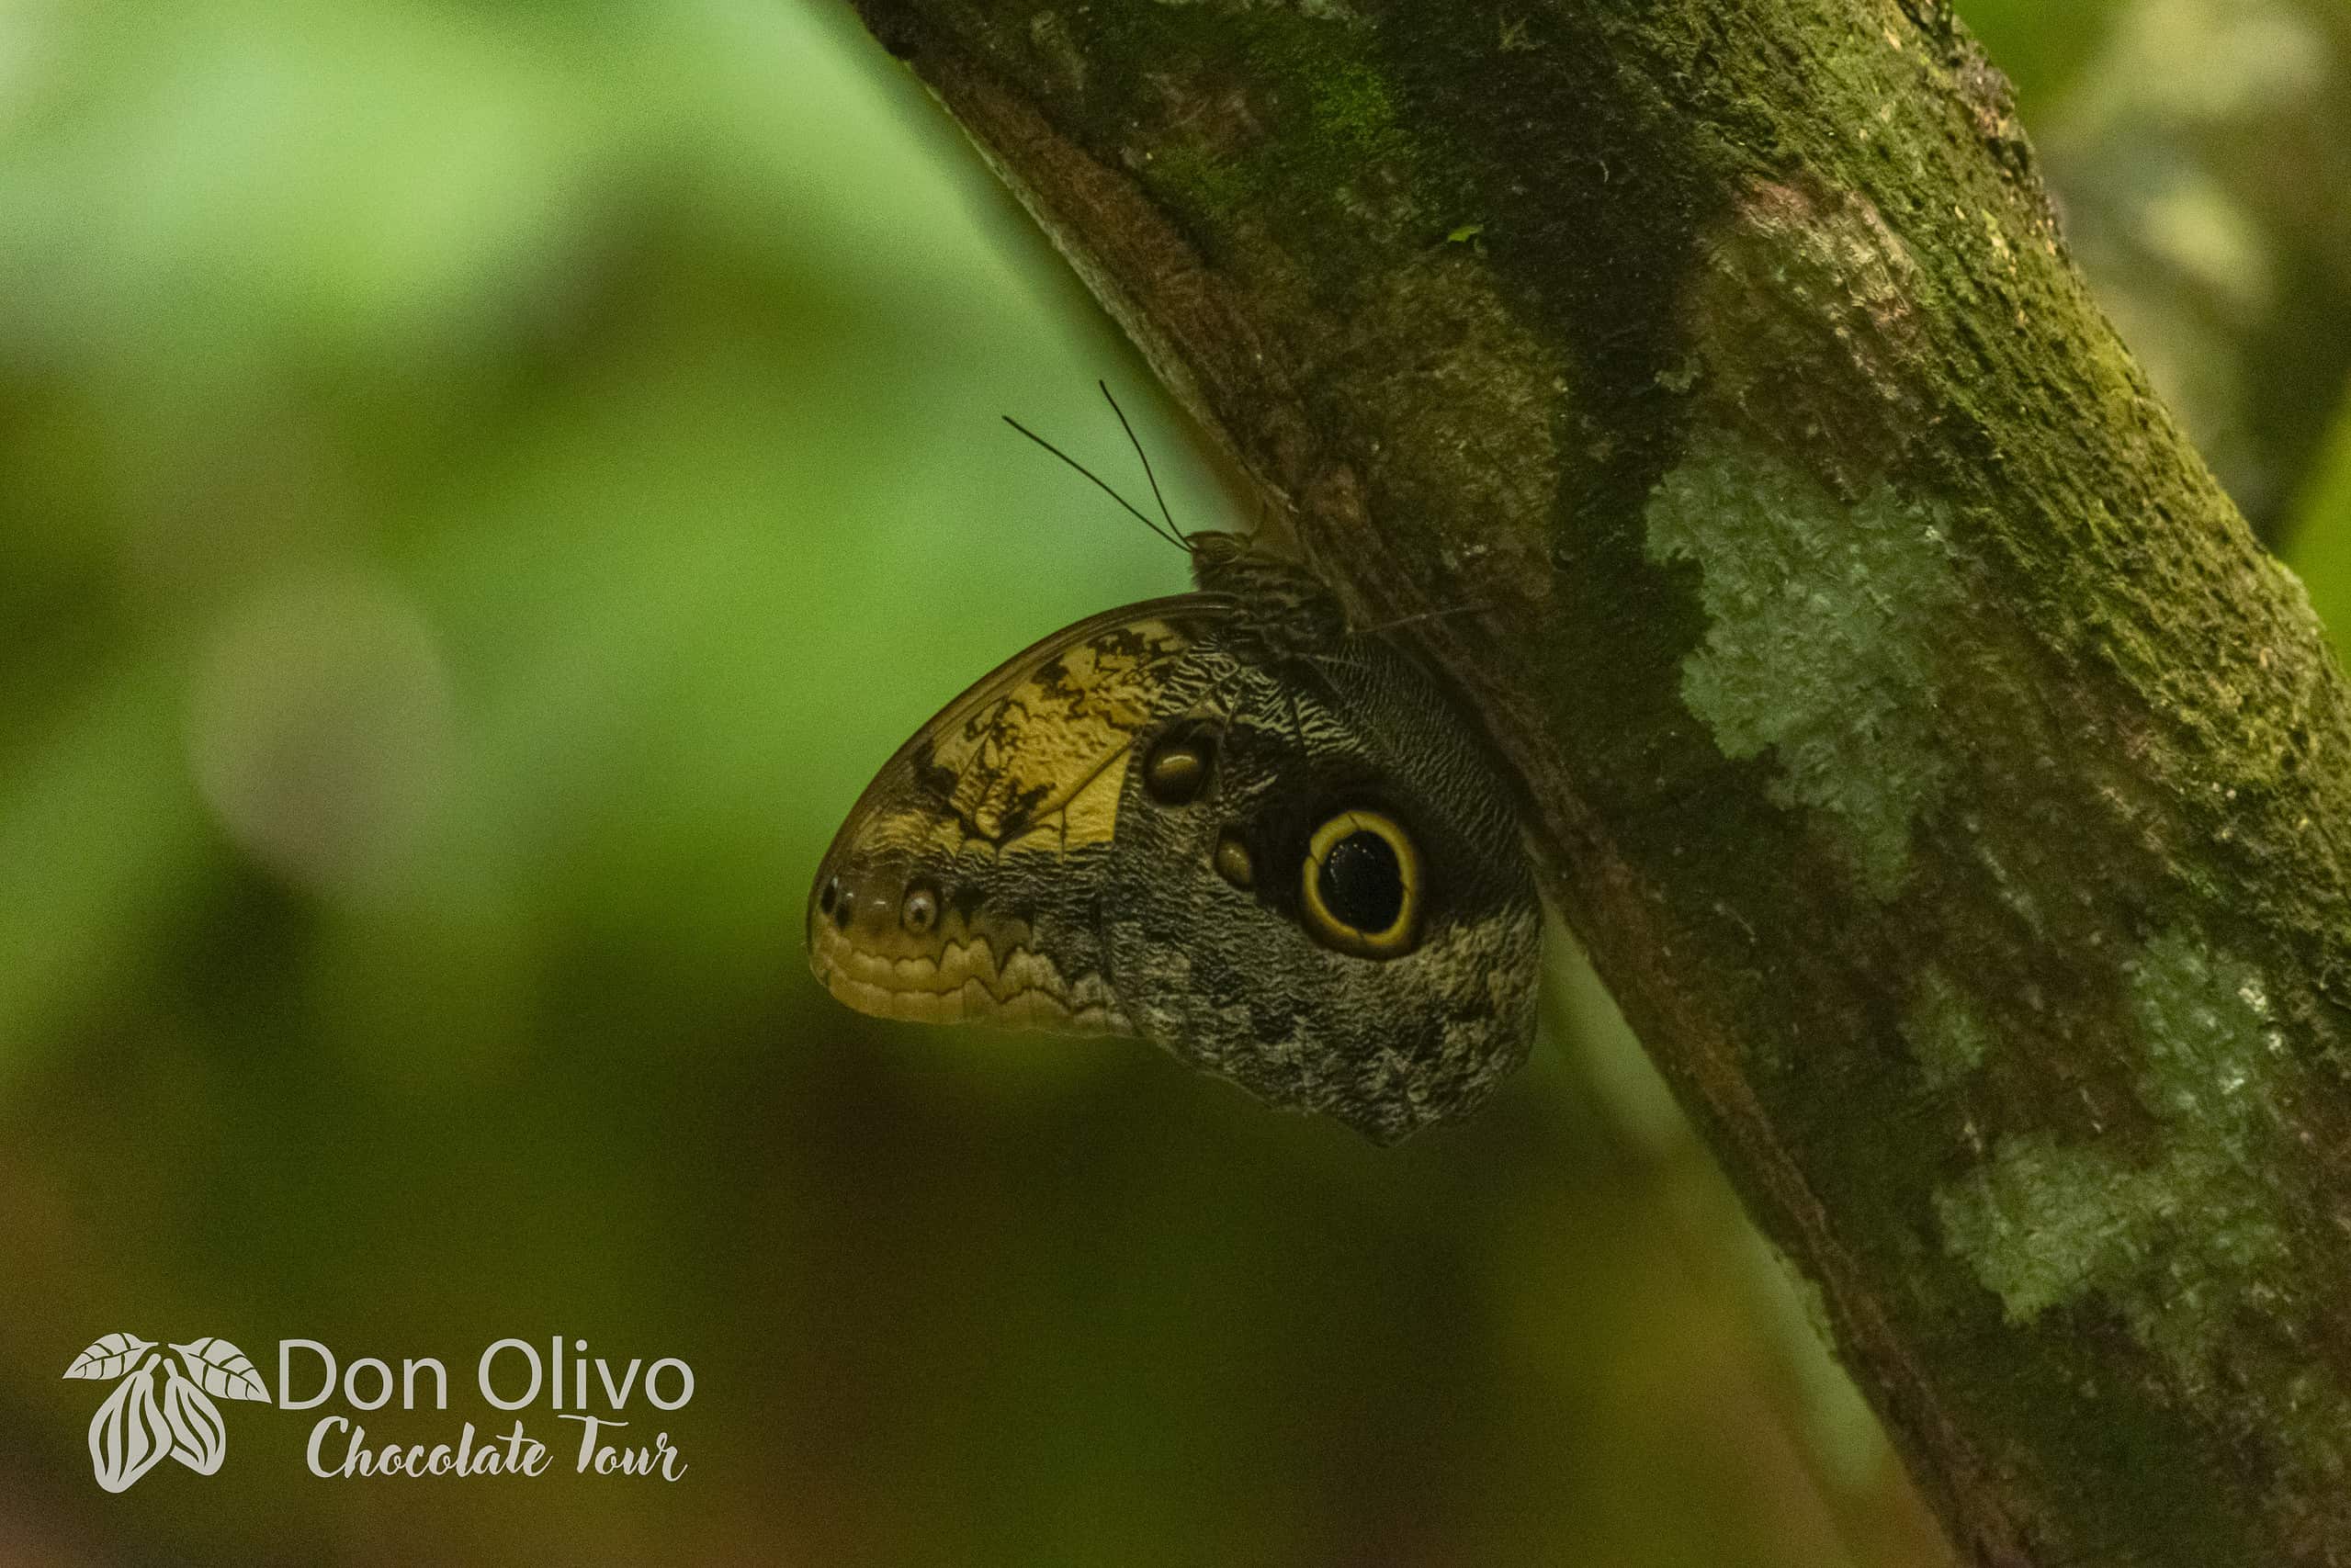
(1361, 885)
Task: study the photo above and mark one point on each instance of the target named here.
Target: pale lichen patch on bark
(1945, 1033)
(1050, 35)
(2173, 1244)
(1820, 644)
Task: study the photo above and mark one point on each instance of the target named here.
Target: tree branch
(1946, 784)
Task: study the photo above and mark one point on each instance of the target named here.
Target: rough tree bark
(1946, 785)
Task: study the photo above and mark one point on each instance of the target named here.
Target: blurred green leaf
(2320, 535)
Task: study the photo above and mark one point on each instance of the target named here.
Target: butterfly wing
(1220, 821)
(966, 882)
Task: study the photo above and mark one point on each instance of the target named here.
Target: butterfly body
(1221, 821)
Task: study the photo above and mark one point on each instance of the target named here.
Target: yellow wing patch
(1048, 740)
(1029, 763)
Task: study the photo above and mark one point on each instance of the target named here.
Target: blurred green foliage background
(481, 488)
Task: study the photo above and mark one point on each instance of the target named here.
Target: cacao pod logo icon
(136, 1428)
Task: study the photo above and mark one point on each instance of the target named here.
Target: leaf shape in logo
(199, 1438)
(129, 1434)
(109, 1355)
(219, 1367)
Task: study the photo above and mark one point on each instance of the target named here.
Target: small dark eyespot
(1175, 771)
(845, 908)
(919, 909)
(1233, 863)
(830, 896)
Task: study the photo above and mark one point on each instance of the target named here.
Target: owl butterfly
(1221, 821)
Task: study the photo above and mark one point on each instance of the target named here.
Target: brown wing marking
(1029, 763)
(1040, 743)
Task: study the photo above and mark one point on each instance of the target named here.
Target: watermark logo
(162, 1407)
(136, 1428)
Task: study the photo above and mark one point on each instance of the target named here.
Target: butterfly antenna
(1096, 479)
(1148, 474)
